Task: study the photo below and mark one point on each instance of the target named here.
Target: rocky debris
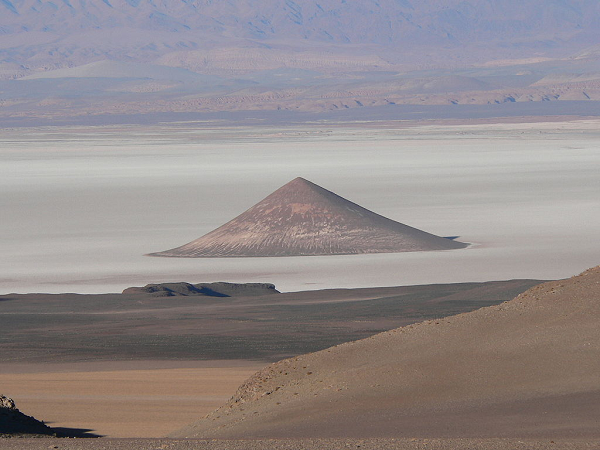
(219, 289)
(7, 403)
(14, 423)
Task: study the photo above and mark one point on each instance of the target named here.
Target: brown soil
(526, 368)
(122, 401)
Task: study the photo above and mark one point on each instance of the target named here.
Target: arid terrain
(302, 444)
(520, 374)
(41, 328)
(105, 364)
(529, 367)
(129, 127)
(133, 60)
(122, 399)
(83, 204)
(142, 364)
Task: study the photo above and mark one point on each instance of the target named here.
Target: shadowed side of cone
(302, 219)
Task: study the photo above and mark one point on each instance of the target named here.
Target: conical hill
(301, 218)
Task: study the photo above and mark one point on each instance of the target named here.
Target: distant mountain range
(369, 52)
(82, 31)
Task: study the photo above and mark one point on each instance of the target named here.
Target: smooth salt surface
(81, 206)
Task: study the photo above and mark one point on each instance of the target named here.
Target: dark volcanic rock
(219, 289)
(14, 423)
(302, 218)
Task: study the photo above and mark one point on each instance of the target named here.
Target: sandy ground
(127, 399)
(82, 205)
(526, 368)
(300, 444)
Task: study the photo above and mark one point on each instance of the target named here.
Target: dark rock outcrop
(14, 423)
(219, 289)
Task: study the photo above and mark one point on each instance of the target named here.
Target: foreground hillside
(526, 368)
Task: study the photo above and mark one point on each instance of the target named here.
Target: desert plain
(131, 128)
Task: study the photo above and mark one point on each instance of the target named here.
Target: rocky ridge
(13, 423)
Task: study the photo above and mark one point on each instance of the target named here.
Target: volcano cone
(303, 219)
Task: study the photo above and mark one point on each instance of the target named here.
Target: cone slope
(301, 219)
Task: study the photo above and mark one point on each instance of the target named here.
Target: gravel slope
(529, 367)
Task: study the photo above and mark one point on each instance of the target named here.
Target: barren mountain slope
(369, 21)
(302, 218)
(529, 367)
(108, 57)
(46, 34)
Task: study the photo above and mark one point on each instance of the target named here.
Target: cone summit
(302, 219)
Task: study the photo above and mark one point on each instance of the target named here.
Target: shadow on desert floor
(75, 432)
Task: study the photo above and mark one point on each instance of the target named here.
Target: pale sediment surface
(82, 205)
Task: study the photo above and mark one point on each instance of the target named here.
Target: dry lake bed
(81, 206)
